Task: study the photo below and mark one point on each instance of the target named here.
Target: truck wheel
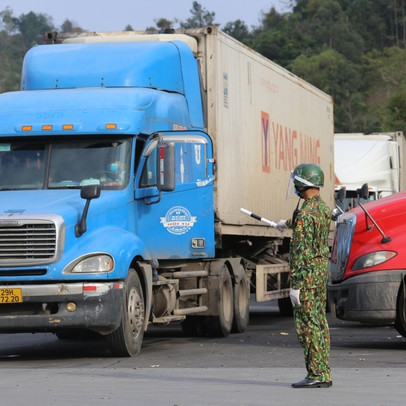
(126, 341)
(220, 326)
(241, 302)
(400, 323)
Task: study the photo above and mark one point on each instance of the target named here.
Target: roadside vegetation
(354, 50)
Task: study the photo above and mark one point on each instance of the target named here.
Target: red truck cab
(367, 275)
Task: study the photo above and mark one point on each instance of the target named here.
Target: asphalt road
(252, 368)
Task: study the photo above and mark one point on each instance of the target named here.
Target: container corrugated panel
(264, 121)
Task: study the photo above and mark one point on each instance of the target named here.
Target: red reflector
(118, 286)
(89, 288)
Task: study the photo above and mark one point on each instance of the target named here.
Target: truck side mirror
(338, 210)
(341, 194)
(166, 166)
(363, 193)
(87, 192)
(90, 192)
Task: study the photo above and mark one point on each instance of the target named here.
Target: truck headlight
(94, 264)
(372, 259)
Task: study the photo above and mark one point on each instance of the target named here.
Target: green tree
(162, 25)
(200, 17)
(381, 23)
(69, 26)
(32, 27)
(282, 38)
(8, 22)
(238, 30)
(337, 76)
(11, 57)
(354, 50)
(384, 86)
(396, 112)
(330, 27)
(11, 52)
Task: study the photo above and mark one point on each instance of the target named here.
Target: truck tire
(241, 300)
(126, 341)
(400, 323)
(220, 326)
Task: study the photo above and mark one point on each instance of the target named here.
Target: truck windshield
(64, 163)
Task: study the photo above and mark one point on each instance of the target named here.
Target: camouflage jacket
(309, 249)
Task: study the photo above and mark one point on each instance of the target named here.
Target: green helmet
(308, 175)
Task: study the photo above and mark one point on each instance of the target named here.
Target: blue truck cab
(106, 175)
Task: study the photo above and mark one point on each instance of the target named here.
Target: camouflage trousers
(313, 333)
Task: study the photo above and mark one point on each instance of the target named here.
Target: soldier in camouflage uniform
(309, 253)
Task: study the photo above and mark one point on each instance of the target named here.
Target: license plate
(10, 295)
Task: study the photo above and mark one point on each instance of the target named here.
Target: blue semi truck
(125, 159)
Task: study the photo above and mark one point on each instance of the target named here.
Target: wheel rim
(135, 312)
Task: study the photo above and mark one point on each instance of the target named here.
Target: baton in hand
(257, 217)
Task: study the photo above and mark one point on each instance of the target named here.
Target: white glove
(294, 296)
(281, 225)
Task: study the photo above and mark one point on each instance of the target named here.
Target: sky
(115, 15)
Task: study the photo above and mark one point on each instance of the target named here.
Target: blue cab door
(179, 223)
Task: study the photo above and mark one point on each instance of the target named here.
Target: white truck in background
(377, 159)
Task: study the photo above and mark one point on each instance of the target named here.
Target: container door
(178, 223)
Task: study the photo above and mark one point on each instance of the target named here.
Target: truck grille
(343, 234)
(27, 242)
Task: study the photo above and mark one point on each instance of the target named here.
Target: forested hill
(354, 50)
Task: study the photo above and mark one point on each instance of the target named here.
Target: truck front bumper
(61, 306)
(367, 298)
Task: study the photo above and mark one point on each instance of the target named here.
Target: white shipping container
(264, 121)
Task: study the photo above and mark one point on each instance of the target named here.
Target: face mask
(298, 192)
(113, 167)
